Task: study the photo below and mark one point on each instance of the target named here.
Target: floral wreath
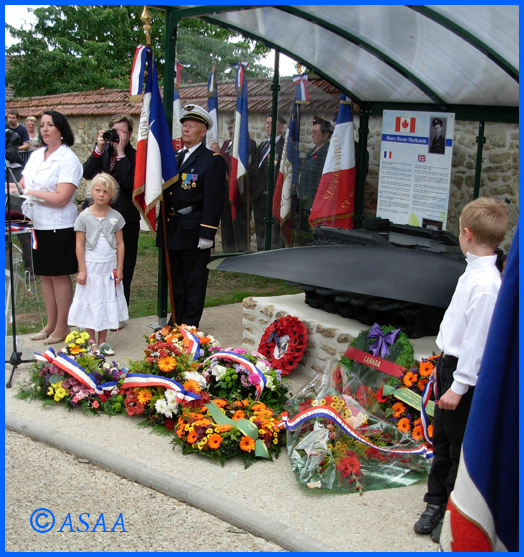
(283, 343)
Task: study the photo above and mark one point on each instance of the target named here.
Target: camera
(111, 135)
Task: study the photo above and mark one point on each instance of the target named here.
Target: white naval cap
(195, 112)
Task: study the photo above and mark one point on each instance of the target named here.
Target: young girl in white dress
(99, 303)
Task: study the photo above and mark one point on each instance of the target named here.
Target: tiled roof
(323, 96)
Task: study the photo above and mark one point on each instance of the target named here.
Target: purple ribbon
(380, 345)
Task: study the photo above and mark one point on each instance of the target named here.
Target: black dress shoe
(435, 535)
(429, 519)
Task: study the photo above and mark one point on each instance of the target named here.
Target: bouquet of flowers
(390, 382)
(336, 443)
(221, 430)
(74, 377)
(235, 374)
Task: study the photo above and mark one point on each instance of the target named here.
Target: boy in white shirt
(462, 337)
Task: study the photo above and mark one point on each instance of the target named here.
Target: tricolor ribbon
(337, 419)
(380, 345)
(301, 95)
(243, 362)
(131, 380)
(193, 343)
(428, 389)
(18, 227)
(137, 74)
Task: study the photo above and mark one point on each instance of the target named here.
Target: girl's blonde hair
(108, 182)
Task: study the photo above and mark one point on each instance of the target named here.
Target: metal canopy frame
(459, 59)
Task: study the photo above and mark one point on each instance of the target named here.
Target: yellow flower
(261, 432)
(71, 336)
(209, 431)
(275, 441)
(50, 391)
(323, 402)
(335, 398)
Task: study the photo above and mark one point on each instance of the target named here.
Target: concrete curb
(192, 494)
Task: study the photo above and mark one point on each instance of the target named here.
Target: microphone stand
(16, 357)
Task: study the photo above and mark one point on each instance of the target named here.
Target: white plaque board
(415, 167)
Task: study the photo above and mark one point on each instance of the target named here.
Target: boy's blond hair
(108, 183)
(487, 219)
(122, 118)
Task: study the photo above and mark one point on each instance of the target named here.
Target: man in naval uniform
(438, 145)
(192, 209)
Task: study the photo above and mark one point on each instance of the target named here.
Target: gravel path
(64, 484)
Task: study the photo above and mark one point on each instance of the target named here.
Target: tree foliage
(82, 48)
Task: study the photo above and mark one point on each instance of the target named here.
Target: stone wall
(328, 334)
(500, 166)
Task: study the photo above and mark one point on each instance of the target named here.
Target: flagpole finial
(299, 68)
(146, 18)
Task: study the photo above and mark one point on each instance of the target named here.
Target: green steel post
(363, 132)
(478, 167)
(271, 171)
(169, 87)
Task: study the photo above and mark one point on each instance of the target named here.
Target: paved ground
(265, 500)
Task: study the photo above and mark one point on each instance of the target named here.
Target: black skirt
(55, 253)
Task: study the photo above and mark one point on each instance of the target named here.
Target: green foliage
(82, 48)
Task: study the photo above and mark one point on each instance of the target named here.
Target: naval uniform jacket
(201, 186)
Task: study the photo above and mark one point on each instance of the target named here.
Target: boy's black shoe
(435, 535)
(429, 518)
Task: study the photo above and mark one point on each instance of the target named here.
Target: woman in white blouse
(51, 176)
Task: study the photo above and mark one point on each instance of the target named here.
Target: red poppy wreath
(283, 343)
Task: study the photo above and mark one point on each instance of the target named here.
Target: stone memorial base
(328, 334)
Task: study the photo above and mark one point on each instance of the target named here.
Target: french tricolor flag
(156, 167)
(241, 141)
(387, 154)
(334, 203)
(405, 124)
(290, 162)
(483, 508)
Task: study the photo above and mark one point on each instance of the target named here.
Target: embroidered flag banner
(483, 508)
(176, 128)
(334, 203)
(212, 108)
(288, 171)
(156, 167)
(241, 141)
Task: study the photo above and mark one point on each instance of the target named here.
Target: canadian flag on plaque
(405, 124)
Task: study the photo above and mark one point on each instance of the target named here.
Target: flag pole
(146, 18)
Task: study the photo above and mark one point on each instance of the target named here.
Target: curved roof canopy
(429, 55)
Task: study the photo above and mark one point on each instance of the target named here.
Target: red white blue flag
(241, 141)
(483, 508)
(212, 108)
(288, 171)
(176, 128)
(156, 167)
(334, 203)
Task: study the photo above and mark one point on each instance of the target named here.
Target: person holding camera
(114, 154)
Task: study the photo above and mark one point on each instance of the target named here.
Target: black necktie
(181, 156)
